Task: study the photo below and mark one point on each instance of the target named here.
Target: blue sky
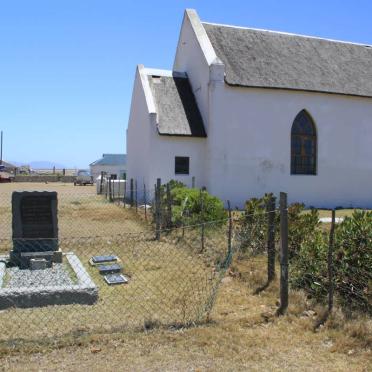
(67, 66)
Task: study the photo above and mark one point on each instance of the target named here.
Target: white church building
(247, 111)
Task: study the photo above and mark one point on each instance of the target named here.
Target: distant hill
(40, 164)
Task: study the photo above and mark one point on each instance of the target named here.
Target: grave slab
(114, 279)
(109, 269)
(81, 291)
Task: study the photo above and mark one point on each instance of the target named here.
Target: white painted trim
(146, 89)
(288, 34)
(202, 37)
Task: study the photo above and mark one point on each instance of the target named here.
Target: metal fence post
(270, 209)
(330, 262)
(283, 254)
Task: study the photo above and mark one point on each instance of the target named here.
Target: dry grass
(243, 332)
(243, 335)
(81, 213)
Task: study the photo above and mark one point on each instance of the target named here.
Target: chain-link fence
(121, 261)
(105, 270)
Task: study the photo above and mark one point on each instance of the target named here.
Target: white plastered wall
(139, 131)
(248, 150)
(150, 155)
(195, 56)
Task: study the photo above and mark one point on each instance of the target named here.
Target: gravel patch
(64, 284)
(58, 275)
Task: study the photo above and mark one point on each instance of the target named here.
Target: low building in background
(7, 167)
(113, 165)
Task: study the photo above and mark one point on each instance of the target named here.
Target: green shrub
(253, 232)
(188, 206)
(353, 261)
(308, 269)
(192, 206)
(300, 226)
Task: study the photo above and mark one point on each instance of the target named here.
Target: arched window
(303, 145)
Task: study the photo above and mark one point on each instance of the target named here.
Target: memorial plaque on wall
(35, 224)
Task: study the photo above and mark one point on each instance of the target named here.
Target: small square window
(182, 165)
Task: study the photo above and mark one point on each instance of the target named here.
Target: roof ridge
(289, 34)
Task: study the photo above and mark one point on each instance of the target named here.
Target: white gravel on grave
(58, 275)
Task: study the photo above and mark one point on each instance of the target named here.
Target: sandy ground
(81, 213)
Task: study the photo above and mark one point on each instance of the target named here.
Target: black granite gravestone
(35, 225)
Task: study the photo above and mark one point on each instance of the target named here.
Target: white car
(83, 177)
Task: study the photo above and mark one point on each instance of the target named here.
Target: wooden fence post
(202, 219)
(110, 191)
(229, 237)
(270, 209)
(283, 254)
(157, 208)
(145, 200)
(136, 195)
(131, 192)
(169, 207)
(125, 193)
(101, 184)
(330, 262)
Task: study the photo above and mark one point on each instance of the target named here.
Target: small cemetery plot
(111, 271)
(36, 272)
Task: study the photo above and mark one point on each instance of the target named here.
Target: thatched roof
(178, 112)
(265, 59)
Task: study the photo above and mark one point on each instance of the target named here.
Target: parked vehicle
(83, 177)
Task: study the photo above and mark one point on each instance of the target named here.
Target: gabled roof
(177, 111)
(111, 159)
(266, 59)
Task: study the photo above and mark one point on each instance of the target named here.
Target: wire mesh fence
(105, 270)
(167, 282)
(122, 261)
